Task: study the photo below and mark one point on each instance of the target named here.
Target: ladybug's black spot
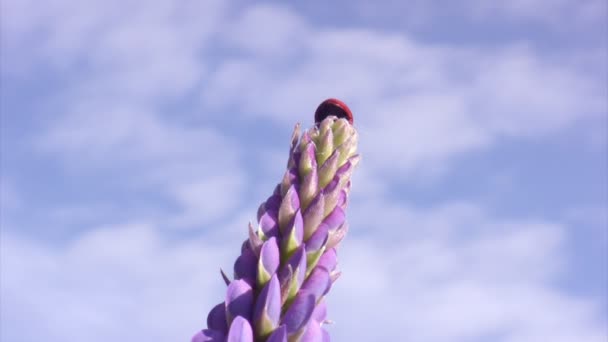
(333, 107)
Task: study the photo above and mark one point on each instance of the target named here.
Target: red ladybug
(333, 107)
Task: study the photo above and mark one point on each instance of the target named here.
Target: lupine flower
(288, 264)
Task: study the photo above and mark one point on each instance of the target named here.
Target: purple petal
(309, 188)
(293, 273)
(289, 205)
(298, 314)
(313, 332)
(320, 312)
(285, 280)
(216, 319)
(318, 239)
(273, 203)
(343, 197)
(331, 192)
(261, 210)
(269, 224)
(336, 235)
(298, 263)
(279, 335)
(268, 308)
(245, 265)
(313, 215)
(326, 337)
(344, 173)
(354, 160)
(305, 140)
(240, 331)
(294, 160)
(308, 161)
(269, 261)
(209, 335)
(245, 246)
(334, 276)
(318, 283)
(329, 260)
(335, 218)
(289, 178)
(295, 137)
(239, 300)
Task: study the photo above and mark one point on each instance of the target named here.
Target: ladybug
(333, 107)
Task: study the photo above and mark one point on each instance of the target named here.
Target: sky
(139, 137)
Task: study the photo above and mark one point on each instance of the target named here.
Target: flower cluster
(288, 263)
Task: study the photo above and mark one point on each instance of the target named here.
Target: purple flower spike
(268, 308)
(209, 335)
(289, 260)
(269, 261)
(279, 335)
(239, 300)
(216, 320)
(240, 331)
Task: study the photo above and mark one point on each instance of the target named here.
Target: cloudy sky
(139, 137)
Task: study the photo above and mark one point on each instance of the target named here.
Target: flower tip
(333, 107)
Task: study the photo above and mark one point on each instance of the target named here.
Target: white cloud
(428, 15)
(121, 63)
(208, 199)
(253, 32)
(125, 282)
(552, 13)
(152, 43)
(454, 274)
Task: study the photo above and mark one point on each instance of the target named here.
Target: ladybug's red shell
(333, 107)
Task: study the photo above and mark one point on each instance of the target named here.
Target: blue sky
(138, 139)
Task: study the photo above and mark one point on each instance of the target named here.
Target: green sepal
(263, 276)
(312, 259)
(264, 327)
(289, 245)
